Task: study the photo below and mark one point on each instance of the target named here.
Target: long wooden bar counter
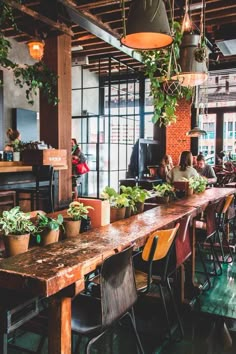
(57, 270)
(6, 167)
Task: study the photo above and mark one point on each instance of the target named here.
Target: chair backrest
(165, 241)
(210, 217)
(118, 288)
(43, 173)
(181, 187)
(183, 249)
(228, 211)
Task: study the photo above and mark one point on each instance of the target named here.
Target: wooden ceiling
(96, 27)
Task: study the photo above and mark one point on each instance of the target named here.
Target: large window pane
(229, 135)
(206, 144)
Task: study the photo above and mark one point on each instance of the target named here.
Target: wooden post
(59, 329)
(55, 121)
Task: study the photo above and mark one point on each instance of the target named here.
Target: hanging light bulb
(36, 48)
(187, 24)
(147, 25)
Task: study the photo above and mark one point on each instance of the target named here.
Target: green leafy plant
(18, 145)
(120, 201)
(198, 183)
(37, 77)
(45, 222)
(33, 77)
(78, 211)
(164, 190)
(157, 70)
(109, 193)
(16, 222)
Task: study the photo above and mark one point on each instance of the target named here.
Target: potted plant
(18, 147)
(75, 212)
(139, 195)
(164, 192)
(48, 228)
(198, 184)
(118, 207)
(128, 191)
(16, 228)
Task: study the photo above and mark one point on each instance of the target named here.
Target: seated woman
(165, 166)
(14, 138)
(184, 170)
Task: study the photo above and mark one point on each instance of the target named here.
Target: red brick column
(176, 139)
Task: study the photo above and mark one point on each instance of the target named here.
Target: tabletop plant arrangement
(75, 212)
(118, 203)
(198, 184)
(48, 228)
(137, 197)
(16, 227)
(164, 193)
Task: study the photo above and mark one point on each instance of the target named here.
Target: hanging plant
(37, 77)
(32, 77)
(159, 67)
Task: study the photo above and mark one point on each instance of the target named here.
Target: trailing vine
(158, 70)
(30, 77)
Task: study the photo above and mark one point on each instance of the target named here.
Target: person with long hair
(14, 138)
(185, 169)
(165, 167)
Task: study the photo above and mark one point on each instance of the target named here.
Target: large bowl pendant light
(193, 72)
(147, 26)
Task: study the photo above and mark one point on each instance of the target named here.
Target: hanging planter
(172, 87)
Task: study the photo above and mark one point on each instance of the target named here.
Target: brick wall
(176, 139)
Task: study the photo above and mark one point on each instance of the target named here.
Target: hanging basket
(172, 87)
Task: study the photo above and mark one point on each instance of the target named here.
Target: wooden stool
(7, 200)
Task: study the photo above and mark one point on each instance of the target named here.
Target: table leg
(3, 343)
(59, 336)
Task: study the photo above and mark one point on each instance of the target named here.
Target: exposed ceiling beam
(83, 21)
(58, 26)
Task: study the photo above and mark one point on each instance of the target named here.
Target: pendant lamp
(193, 72)
(36, 48)
(193, 55)
(196, 132)
(147, 25)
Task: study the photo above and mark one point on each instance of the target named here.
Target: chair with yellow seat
(225, 217)
(152, 268)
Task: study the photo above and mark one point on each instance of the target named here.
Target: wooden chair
(43, 189)
(91, 316)
(152, 267)
(7, 200)
(181, 188)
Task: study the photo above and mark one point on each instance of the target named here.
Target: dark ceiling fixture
(147, 25)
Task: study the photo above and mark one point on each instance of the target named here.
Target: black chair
(43, 189)
(206, 231)
(93, 316)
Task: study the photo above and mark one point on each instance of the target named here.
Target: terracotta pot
(139, 207)
(163, 200)
(190, 191)
(16, 244)
(128, 211)
(49, 236)
(72, 227)
(117, 214)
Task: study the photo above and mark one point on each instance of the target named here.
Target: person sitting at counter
(185, 169)
(205, 170)
(165, 166)
(14, 138)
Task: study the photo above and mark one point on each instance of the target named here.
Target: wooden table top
(202, 199)
(46, 270)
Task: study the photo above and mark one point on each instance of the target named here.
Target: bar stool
(7, 200)
(43, 189)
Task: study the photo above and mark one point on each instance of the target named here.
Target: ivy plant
(30, 77)
(159, 67)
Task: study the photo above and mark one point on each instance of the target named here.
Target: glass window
(205, 145)
(229, 135)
